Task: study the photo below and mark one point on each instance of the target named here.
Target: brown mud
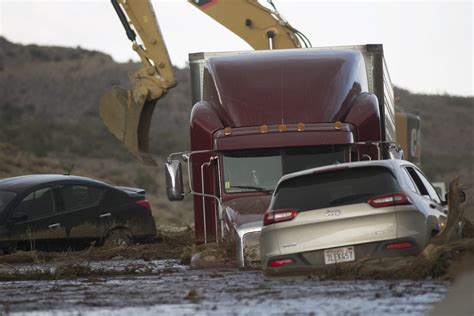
(174, 244)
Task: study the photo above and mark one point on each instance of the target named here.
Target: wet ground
(169, 288)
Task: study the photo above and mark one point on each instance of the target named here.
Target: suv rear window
(334, 188)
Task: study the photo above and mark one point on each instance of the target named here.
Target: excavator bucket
(128, 118)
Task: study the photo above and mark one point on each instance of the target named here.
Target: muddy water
(173, 289)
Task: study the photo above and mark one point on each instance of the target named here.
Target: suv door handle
(105, 215)
(54, 225)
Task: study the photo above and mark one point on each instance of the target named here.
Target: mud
(170, 244)
(156, 279)
(445, 262)
(173, 289)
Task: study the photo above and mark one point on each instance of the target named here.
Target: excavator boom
(260, 27)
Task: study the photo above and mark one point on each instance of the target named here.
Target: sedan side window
(431, 191)
(37, 204)
(79, 196)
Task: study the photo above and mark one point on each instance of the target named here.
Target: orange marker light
(264, 129)
(337, 125)
(227, 131)
(282, 128)
(300, 127)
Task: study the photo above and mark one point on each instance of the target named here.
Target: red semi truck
(258, 115)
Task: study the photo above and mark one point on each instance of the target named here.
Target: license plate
(343, 254)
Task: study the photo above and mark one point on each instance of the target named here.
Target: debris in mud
(91, 271)
(170, 245)
(211, 256)
(24, 265)
(193, 295)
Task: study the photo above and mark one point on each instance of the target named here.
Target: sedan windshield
(260, 169)
(5, 198)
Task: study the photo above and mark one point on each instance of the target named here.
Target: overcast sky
(428, 45)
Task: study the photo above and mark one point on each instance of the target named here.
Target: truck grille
(251, 243)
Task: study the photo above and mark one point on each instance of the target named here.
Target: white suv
(347, 212)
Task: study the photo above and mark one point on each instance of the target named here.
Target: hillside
(49, 118)
(54, 92)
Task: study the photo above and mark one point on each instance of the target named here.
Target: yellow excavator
(127, 113)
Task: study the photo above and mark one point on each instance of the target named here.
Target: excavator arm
(127, 113)
(260, 27)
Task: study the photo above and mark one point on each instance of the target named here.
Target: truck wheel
(118, 237)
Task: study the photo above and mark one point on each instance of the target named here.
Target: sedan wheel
(118, 237)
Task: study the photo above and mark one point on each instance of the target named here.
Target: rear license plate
(343, 254)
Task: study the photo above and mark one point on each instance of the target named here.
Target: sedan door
(35, 224)
(80, 206)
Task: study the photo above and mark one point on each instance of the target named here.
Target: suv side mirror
(18, 217)
(174, 180)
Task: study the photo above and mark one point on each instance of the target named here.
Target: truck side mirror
(174, 180)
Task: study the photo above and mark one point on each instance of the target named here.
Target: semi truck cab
(259, 115)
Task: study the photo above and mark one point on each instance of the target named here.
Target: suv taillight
(280, 262)
(389, 200)
(144, 203)
(277, 216)
(399, 245)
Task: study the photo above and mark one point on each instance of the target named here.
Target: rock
(192, 295)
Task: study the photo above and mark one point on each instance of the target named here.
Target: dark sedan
(54, 212)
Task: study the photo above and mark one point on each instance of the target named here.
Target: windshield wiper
(251, 187)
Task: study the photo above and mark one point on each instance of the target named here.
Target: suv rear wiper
(349, 198)
(251, 187)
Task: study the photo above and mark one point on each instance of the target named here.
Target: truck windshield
(260, 169)
(5, 198)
